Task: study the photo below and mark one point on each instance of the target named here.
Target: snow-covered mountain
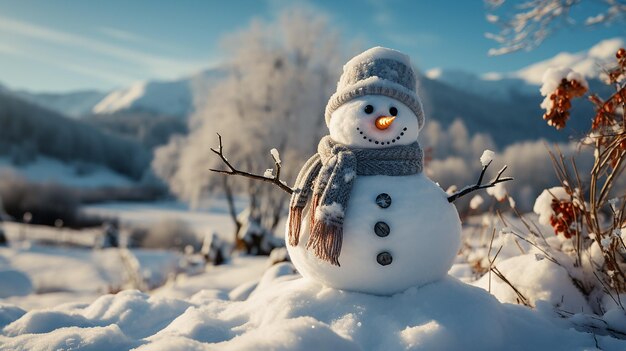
(491, 86)
(588, 63)
(526, 80)
(172, 98)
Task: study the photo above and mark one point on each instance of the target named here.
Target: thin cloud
(100, 74)
(122, 35)
(134, 38)
(381, 14)
(9, 50)
(161, 66)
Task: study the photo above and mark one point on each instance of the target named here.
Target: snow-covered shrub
(214, 250)
(586, 212)
(256, 238)
(3, 237)
(166, 234)
(46, 203)
(110, 234)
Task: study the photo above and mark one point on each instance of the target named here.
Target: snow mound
(537, 280)
(543, 203)
(286, 312)
(14, 283)
(9, 314)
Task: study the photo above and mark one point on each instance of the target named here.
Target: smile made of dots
(381, 142)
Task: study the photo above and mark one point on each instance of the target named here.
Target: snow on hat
(378, 71)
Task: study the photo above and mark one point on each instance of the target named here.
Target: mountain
(492, 86)
(73, 104)
(527, 80)
(29, 130)
(588, 63)
(172, 98)
(507, 121)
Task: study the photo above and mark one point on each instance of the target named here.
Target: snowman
(364, 217)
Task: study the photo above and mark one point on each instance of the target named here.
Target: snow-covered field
(45, 169)
(211, 218)
(61, 298)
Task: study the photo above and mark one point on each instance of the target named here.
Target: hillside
(73, 104)
(507, 121)
(29, 130)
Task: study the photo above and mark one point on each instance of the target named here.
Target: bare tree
(525, 24)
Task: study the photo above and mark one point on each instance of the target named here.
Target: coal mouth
(379, 142)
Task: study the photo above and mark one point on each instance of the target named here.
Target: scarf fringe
(295, 222)
(314, 203)
(326, 242)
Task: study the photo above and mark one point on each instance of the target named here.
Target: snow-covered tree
(278, 77)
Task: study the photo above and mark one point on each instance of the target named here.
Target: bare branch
(525, 24)
(233, 171)
(479, 185)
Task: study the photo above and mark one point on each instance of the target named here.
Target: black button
(384, 258)
(383, 200)
(381, 229)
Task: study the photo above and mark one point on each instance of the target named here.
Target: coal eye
(368, 109)
(393, 111)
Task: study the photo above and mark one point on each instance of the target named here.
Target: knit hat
(378, 71)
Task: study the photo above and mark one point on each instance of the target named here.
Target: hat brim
(376, 86)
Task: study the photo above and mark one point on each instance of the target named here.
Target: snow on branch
(525, 24)
(486, 161)
(267, 177)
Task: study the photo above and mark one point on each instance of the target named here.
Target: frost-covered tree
(525, 24)
(278, 77)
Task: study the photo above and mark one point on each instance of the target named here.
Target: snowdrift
(286, 312)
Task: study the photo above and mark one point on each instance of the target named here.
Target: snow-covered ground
(68, 299)
(286, 312)
(211, 217)
(45, 169)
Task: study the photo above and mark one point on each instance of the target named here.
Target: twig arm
(479, 185)
(234, 171)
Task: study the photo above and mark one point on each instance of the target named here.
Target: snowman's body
(423, 238)
(398, 231)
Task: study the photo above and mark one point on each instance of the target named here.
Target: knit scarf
(328, 176)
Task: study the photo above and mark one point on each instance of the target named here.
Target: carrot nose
(384, 122)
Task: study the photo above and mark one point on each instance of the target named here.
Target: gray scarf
(328, 176)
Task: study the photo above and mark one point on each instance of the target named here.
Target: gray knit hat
(378, 71)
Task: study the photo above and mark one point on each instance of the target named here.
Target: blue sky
(57, 45)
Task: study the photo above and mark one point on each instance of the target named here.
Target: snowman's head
(376, 103)
(373, 121)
